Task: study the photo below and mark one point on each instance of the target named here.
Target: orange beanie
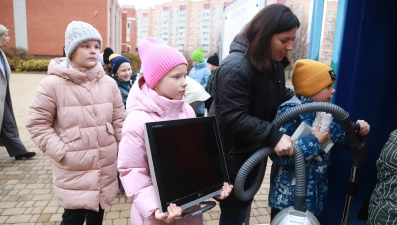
(309, 77)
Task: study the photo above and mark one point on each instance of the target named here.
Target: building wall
(327, 37)
(40, 25)
(129, 29)
(184, 25)
(7, 19)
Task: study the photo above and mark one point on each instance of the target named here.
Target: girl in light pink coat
(76, 118)
(158, 95)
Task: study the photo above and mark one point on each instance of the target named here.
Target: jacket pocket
(71, 134)
(109, 128)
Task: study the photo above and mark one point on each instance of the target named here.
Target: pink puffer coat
(145, 105)
(76, 118)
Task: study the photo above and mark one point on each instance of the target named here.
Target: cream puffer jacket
(76, 118)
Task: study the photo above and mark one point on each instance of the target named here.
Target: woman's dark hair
(273, 19)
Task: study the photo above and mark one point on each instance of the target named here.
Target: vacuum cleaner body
(290, 216)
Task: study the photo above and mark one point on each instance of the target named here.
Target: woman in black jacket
(249, 87)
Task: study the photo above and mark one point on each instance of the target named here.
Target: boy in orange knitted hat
(313, 82)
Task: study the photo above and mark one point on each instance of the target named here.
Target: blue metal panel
(315, 30)
(367, 89)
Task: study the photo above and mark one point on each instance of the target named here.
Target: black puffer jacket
(245, 103)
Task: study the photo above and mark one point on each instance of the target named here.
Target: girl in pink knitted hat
(158, 95)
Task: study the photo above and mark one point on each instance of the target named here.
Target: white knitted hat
(78, 32)
(3, 29)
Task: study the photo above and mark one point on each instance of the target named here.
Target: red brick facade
(46, 22)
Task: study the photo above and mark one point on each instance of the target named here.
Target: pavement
(26, 193)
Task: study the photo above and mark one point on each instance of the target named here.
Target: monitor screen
(186, 161)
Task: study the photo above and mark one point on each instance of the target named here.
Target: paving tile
(12, 181)
(38, 210)
(19, 219)
(125, 214)
(214, 215)
(13, 211)
(56, 217)
(118, 207)
(19, 205)
(51, 209)
(13, 198)
(253, 220)
(43, 197)
(44, 218)
(28, 210)
(27, 181)
(52, 203)
(112, 215)
(263, 219)
(212, 222)
(8, 204)
(20, 186)
(34, 219)
(41, 203)
(3, 219)
(107, 222)
(40, 191)
(25, 197)
(120, 221)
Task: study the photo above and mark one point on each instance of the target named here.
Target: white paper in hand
(305, 130)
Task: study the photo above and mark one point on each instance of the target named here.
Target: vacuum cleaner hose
(260, 157)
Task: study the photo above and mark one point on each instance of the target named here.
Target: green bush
(135, 60)
(20, 60)
(17, 53)
(34, 65)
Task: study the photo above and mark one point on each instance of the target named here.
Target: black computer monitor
(186, 161)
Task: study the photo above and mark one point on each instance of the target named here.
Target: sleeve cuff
(274, 137)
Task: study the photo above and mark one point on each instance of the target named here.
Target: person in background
(195, 94)
(76, 119)
(199, 73)
(312, 82)
(383, 201)
(105, 57)
(249, 86)
(157, 96)
(213, 63)
(9, 130)
(123, 75)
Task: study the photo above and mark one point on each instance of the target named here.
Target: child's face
(211, 67)
(173, 84)
(85, 55)
(324, 95)
(124, 72)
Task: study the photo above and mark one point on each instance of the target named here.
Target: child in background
(123, 75)
(213, 63)
(312, 82)
(158, 95)
(76, 118)
(199, 73)
(105, 57)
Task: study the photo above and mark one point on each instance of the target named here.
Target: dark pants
(78, 216)
(232, 215)
(9, 134)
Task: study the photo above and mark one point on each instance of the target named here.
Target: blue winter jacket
(282, 178)
(200, 73)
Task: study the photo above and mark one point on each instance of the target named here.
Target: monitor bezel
(197, 197)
